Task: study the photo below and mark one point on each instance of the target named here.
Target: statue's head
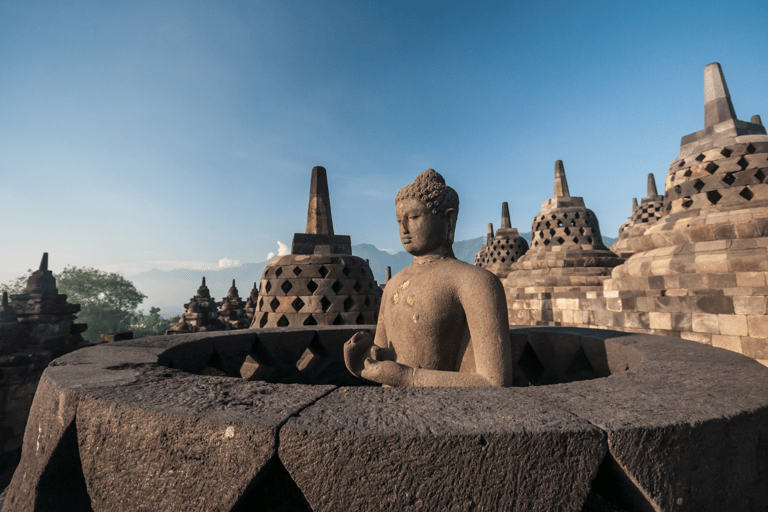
(426, 212)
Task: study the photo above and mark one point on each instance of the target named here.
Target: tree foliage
(107, 301)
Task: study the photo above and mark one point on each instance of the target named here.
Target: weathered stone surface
(441, 449)
(196, 442)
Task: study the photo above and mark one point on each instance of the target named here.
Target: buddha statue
(442, 322)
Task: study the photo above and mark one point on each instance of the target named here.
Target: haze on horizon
(139, 135)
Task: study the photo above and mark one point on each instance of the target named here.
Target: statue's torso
(423, 316)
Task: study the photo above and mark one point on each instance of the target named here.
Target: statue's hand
(388, 372)
(356, 350)
(383, 354)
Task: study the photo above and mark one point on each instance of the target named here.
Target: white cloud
(228, 263)
(282, 250)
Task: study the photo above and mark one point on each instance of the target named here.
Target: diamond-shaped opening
(286, 286)
(678, 189)
(530, 364)
(747, 194)
(338, 320)
(261, 302)
(546, 242)
(268, 286)
(274, 304)
(726, 152)
(346, 270)
(714, 196)
(310, 320)
(367, 301)
(576, 239)
(552, 232)
(698, 185)
(687, 173)
(311, 286)
(567, 231)
(322, 271)
(711, 167)
(278, 271)
(263, 320)
(282, 321)
(559, 223)
(576, 215)
(297, 304)
(687, 202)
(541, 234)
(553, 216)
(590, 239)
(507, 253)
(357, 286)
(751, 149)
(580, 368)
(681, 164)
(348, 303)
(325, 304)
(359, 319)
(503, 260)
(560, 240)
(759, 175)
(743, 163)
(547, 224)
(296, 271)
(700, 157)
(336, 287)
(581, 230)
(728, 179)
(565, 215)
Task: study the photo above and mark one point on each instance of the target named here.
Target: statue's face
(421, 231)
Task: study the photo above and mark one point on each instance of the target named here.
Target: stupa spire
(634, 203)
(652, 185)
(505, 222)
(44, 262)
(489, 235)
(717, 99)
(319, 220)
(561, 184)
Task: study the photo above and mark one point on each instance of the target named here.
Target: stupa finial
(717, 99)
(5, 299)
(561, 184)
(489, 235)
(652, 185)
(389, 274)
(203, 282)
(319, 220)
(756, 120)
(44, 262)
(505, 222)
(634, 203)
(233, 283)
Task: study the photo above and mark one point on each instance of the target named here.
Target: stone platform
(632, 422)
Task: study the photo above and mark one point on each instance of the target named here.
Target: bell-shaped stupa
(701, 271)
(320, 282)
(503, 248)
(202, 314)
(250, 304)
(644, 215)
(232, 310)
(567, 255)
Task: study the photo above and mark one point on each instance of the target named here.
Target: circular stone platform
(658, 424)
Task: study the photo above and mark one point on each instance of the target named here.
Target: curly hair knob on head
(429, 188)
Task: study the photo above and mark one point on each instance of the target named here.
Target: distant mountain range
(171, 289)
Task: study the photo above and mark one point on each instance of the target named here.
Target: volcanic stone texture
(317, 289)
(644, 215)
(671, 425)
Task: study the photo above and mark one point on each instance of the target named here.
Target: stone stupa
(320, 282)
(567, 256)
(644, 215)
(232, 310)
(701, 271)
(202, 314)
(503, 248)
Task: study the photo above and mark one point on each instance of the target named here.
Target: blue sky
(139, 135)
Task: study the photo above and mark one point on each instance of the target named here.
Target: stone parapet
(631, 421)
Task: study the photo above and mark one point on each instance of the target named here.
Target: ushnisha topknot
(429, 188)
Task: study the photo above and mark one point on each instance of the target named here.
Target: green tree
(152, 323)
(15, 286)
(108, 301)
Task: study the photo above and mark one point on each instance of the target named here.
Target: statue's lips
(406, 240)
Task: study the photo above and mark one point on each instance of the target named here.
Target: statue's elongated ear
(451, 215)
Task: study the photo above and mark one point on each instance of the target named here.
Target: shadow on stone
(275, 491)
(62, 484)
(614, 486)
